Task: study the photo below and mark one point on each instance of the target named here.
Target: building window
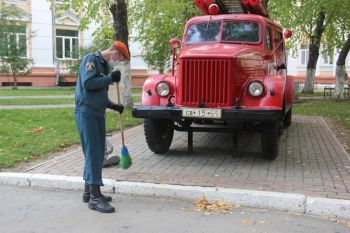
(328, 56)
(67, 44)
(16, 38)
(304, 55)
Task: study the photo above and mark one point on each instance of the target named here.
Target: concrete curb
(249, 198)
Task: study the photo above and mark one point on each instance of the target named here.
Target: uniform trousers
(92, 132)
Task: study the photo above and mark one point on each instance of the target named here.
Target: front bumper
(175, 113)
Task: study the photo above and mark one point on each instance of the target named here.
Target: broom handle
(120, 116)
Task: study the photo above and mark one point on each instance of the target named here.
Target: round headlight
(256, 88)
(163, 89)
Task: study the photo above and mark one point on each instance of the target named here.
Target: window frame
(306, 55)
(222, 21)
(17, 38)
(268, 33)
(326, 58)
(63, 45)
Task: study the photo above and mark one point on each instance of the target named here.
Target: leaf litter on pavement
(204, 206)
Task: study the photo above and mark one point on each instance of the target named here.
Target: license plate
(209, 113)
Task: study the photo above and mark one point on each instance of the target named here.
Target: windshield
(204, 32)
(233, 31)
(241, 31)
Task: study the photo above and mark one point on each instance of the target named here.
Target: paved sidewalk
(311, 162)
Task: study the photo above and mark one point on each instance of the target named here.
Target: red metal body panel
(218, 73)
(153, 99)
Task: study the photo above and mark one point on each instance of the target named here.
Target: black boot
(86, 194)
(96, 202)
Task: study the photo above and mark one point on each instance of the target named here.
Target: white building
(53, 41)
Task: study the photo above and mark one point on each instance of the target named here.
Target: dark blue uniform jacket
(91, 94)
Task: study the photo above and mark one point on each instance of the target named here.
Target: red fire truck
(229, 74)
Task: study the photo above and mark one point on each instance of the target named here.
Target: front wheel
(269, 140)
(159, 134)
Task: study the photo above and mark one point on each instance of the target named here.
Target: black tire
(288, 119)
(159, 134)
(269, 140)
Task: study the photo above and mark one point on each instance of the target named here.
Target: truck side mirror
(287, 33)
(174, 43)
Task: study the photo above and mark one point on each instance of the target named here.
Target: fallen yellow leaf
(245, 221)
(38, 130)
(219, 207)
(347, 223)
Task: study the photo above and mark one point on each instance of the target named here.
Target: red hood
(218, 50)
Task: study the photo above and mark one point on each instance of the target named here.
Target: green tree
(337, 35)
(341, 74)
(155, 23)
(310, 20)
(13, 48)
(101, 12)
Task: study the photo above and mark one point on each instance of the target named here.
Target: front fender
(273, 96)
(149, 93)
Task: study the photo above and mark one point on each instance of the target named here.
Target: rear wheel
(269, 140)
(288, 119)
(159, 134)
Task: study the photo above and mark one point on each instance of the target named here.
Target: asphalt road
(25, 210)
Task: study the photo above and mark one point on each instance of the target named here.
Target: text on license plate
(202, 113)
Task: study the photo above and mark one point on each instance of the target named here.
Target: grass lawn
(136, 90)
(38, 92)
(313, 94)
(136, 99)
(28, 134)
(33, 92)
(341, 109)
(43, 101)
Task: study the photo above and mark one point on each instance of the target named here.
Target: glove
(116, 76)
(118, 107)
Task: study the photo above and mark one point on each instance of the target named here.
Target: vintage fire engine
(229, 74)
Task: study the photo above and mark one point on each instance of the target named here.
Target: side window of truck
(279, 38)
(268, 41)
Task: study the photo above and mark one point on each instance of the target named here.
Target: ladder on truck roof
(214, 7)
(231, 6)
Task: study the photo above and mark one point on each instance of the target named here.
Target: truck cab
(229, 75)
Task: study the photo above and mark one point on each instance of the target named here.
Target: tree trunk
(314, 52)
(14, 81)
(340, 75)
(124, 87)
(120, 24)
(266, 2)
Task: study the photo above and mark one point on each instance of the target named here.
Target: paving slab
(310, 162)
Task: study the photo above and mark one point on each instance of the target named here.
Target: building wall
(324, 70)
(42, 40)
(41, 46)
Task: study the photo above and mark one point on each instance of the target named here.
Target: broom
(125, 159)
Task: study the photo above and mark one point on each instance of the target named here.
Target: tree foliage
(13, 60)
(155, 23)
(314, 22)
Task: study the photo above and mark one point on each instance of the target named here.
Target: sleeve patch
(90, 66)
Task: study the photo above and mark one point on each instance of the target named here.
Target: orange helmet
(122, 48)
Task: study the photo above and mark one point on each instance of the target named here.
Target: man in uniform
(91, 101)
